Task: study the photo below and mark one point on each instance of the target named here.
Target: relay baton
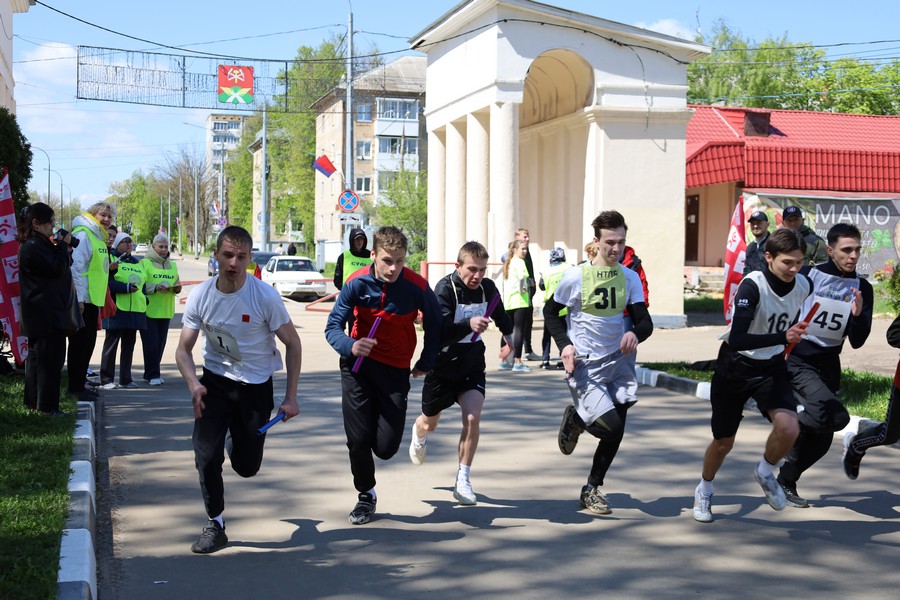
(275, 419)
(487, 314)
(372, 331)
(809, 316)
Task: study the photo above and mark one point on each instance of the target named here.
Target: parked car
(294, 277)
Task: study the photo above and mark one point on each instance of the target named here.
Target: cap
(119, 238)
(557, 255)
(792, 211)
(758, 216)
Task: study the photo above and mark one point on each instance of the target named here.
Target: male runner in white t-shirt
(240, 318)
(595, 348)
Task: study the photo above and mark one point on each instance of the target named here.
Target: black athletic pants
(609, 429)
(81, 346)
(374, 406)
(234, 410)
(886, 433)
(43, 367)
(128, 338)
(153, 343)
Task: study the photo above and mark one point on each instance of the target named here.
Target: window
(364, 150)
(398, 109)
(364, 185)
(364, 112)
(396, 145)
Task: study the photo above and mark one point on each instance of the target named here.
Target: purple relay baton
(372, 331)
(277, 418)
(487, 314)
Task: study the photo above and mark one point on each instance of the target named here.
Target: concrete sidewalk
(527, 537)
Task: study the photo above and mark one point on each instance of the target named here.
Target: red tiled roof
(804, 150)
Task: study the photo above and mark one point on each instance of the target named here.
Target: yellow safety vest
(131, 273)
(97, 272)
(353, 263)
(160, 305)
(515, 286)
(552, 281)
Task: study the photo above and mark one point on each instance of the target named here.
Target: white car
(294, 277)
(141, 248)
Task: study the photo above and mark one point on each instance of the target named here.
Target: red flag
(10, 301)
(735, 253)
(324, 166)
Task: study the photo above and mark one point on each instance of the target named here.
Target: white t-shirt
(238, 328)
(596, 335)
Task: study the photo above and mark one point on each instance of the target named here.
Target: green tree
(15, 155)
(403, 203)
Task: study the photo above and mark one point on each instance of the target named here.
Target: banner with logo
(735, 253)
(10, 302)
(235, 84)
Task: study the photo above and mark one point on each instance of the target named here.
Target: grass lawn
(35, 451)
(864, 394)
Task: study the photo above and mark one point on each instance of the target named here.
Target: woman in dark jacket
(45, 284)
(126, 284)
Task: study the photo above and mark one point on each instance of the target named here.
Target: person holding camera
(90, 273)
(126, 284)
(45, 284)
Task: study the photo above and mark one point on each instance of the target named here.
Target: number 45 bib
(835, 298)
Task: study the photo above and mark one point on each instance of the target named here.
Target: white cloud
(671, 27)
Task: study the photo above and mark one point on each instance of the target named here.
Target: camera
(61, 233)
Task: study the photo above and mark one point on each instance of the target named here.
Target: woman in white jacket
(90, 275)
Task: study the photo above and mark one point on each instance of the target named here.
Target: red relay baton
(809, 316)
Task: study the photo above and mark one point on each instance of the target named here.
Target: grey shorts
(598, 385)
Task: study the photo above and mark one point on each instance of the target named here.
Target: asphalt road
(526, 538)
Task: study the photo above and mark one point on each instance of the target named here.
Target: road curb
(700, 389)
(77, 578)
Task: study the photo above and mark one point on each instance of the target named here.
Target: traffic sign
(347, 219)
(348, 201)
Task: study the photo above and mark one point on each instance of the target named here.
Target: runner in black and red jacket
(374, 398)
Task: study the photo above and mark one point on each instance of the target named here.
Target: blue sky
(94, 144)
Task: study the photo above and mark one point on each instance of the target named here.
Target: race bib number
(831, 319)
(221, 341)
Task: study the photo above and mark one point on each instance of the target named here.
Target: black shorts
(439, 393)
(737, 379)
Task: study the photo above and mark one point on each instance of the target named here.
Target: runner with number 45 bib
(845, 312)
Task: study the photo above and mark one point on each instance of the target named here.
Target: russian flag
(324, 166)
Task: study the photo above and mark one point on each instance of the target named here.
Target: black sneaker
(545, 365)
(211, 540)
(793, 498)
(568, 431)
(850, 459)
(363, 511)
(594, 500)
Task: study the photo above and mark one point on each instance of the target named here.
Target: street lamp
(61, 203)
(48, 172)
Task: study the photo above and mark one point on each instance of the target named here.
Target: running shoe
(849, 458)
(156, 381)
(521, 368)
(531, 356)
(130, 385)
(594, 500)
(364, 510)
(505, 366)
(793, 498)
(212, 539)
(774, 494)
(416, 452)
(108, 386)
(568, 431)
(464, 494)
(702, 506)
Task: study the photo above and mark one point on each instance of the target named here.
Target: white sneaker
(416, 452)
(774, 494)
(464, 494)
(108, 386)
(702, 506)
(521, 368)
(156, 381)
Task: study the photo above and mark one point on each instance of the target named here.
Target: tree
(403, 203)
(15, 155)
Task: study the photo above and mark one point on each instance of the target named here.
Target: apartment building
(388, 136)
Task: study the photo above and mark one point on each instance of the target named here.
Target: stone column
(437, 181)
(477, 177)
(455, 223)
(504, 176)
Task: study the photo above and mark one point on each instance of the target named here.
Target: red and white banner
(735, 253)
(10, 306)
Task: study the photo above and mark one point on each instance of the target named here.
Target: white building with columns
(540, 117)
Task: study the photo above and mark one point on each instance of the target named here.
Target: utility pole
(222, 178)
(169, 217)
(160, 214)
(348, 141)
(196, 211)
(180, 218)
(264, 191)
